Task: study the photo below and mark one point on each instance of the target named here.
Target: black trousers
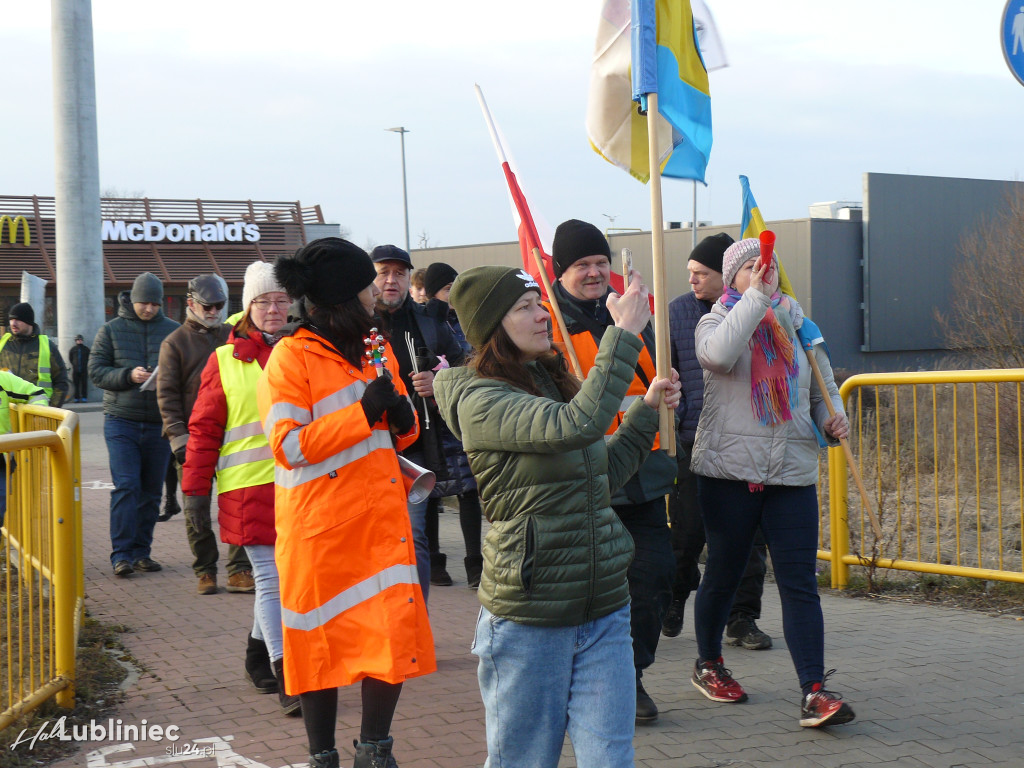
(688, 540)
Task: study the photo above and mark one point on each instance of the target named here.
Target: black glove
(178, 448)
(379, 396)
(401, 416)
(197, 513)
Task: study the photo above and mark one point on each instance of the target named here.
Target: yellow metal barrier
(43, 586)
(942, 456)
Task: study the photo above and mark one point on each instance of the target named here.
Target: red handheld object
(767, 239)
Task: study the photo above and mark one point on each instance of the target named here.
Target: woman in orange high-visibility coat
(352, 607)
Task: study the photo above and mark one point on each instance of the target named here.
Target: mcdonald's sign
(12, 225)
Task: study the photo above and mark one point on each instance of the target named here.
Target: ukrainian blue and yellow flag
(644, 47)
(752, 224)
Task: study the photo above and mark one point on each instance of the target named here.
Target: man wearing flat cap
(431, 339)
(183, 355)
(124, 354)
(33, 356)
(684, 312)
(582, 263)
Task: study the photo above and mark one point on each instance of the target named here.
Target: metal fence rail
(41, 555)
(942, 456)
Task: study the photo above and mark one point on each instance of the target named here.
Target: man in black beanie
(582, 262)
(124, 354)
(400, 314)
(33, 356)
(684, 312)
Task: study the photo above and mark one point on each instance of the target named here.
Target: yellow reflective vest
(43, 379)
(245, 458)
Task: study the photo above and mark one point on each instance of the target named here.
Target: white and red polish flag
(533, 232)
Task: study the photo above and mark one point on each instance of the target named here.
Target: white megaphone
(419, 482)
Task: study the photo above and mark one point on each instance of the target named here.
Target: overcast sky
(223, 99)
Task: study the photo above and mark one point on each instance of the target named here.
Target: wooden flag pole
(846, 446)
(660, 278)
(574, 362)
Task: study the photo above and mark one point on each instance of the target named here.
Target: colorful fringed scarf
(773, 366)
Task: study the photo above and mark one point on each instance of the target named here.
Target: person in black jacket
(459, 480)
(124, 354)
(435, 348)
(78, 359)
(705, 267)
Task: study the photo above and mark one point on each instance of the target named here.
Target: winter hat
(327, 271)
(147, 289)
(483, 295)
(575, 240)
(22, 312)
(390, 253)
(438, 276)
(709, 251)
(207, 290)
(736, 255)
(259, 279)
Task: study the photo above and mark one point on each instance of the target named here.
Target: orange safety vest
(586, 352)
(351, 603)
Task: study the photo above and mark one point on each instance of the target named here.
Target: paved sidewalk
(931, 686)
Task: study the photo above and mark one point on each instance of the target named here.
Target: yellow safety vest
(245, 457)
(43, 379)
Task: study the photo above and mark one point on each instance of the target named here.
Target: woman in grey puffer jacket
(755, 455)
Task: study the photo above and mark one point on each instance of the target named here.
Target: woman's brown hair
(345, 325)
(499, 358)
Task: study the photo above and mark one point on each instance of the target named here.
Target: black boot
(374, 754)
(257, 667)
(171, 508)
(438, 575)
(646, 709)
(474, 567)
(326, 759)
(290, 705)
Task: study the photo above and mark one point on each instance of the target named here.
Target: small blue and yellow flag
(644, 47)
(752, 224)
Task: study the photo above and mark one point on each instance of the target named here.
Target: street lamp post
(405, 195)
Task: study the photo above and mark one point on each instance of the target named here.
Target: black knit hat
(438, 276)
(575, 240)
(709, 251)
(327, 271)
(483, 295)
(147, 289)
(22, 312)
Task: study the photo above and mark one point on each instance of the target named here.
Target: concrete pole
(79, 244)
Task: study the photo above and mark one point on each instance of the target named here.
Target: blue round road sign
(1011, 37)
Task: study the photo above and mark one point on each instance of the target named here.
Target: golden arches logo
(12, 225)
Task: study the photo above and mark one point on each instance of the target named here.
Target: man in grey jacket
(183, 355)
(124, 354)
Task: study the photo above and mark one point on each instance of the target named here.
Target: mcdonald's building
(174, 239)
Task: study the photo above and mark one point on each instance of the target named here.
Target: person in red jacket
(226, 439)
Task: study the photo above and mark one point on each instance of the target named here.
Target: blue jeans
(537, 683)
(267, 609)
(788, 516)
(138, 455)
(418, 518)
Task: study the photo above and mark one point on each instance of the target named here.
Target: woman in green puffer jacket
(553, 631)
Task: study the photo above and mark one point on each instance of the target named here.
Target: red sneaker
(715, 681)
(821, 707)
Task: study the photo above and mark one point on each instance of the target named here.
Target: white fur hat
(259, 279)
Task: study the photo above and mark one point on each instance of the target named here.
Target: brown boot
(241, 582)
(207, 584)
(290, 705)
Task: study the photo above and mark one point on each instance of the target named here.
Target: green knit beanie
(482, 296)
